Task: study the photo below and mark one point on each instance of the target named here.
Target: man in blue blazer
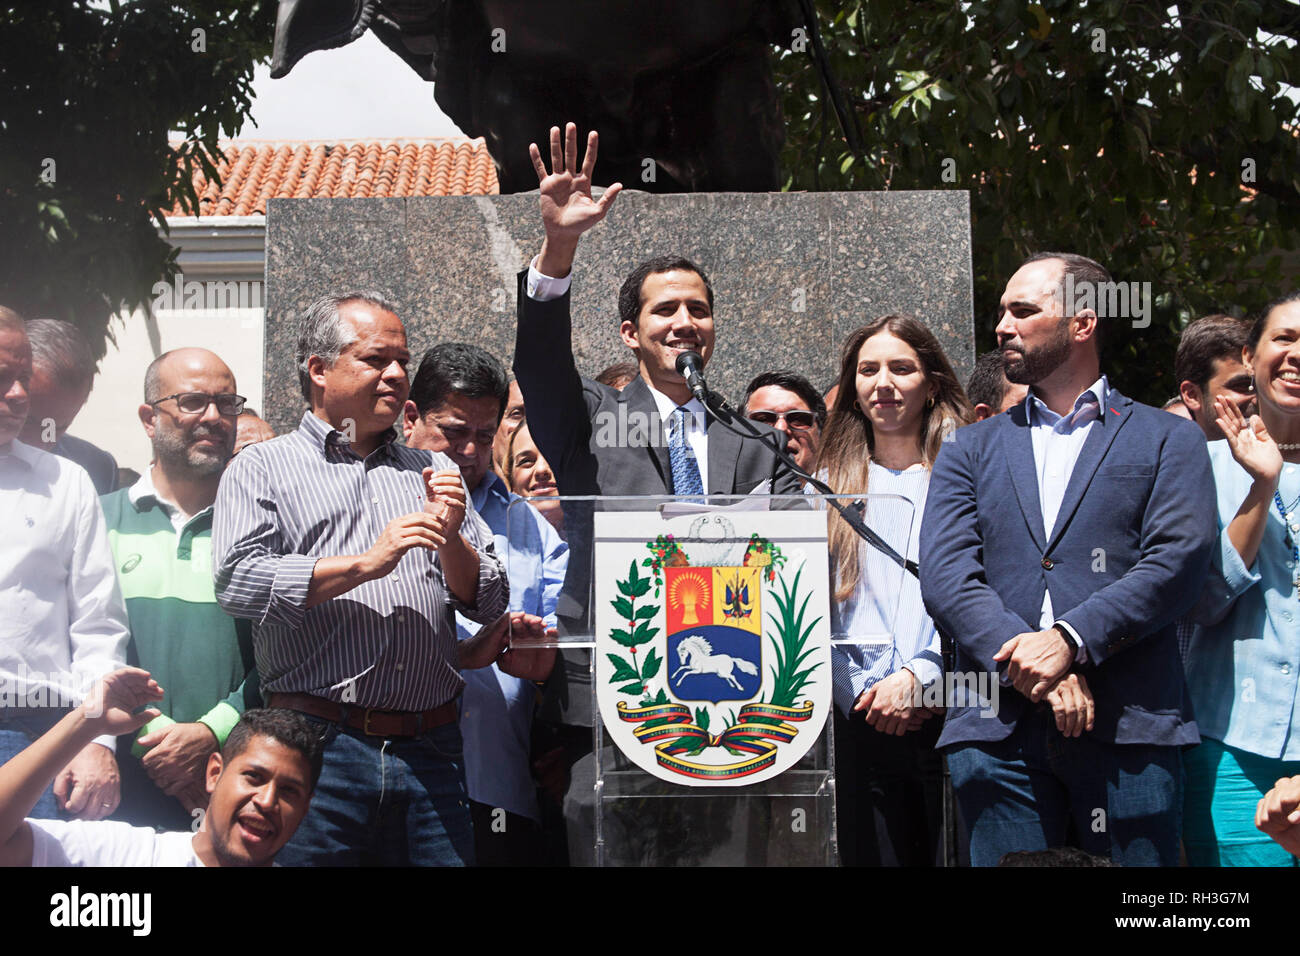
(1060, 543)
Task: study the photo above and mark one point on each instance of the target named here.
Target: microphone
(691, 367)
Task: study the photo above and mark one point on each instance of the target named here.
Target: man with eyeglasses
(456, 405)
(160, 529)
(788, 402)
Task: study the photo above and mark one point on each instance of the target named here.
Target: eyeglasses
(196, 403)
(800, 421)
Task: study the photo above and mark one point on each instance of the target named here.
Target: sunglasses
(798, 420)
(196, 403)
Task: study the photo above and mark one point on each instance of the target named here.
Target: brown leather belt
(375, 723)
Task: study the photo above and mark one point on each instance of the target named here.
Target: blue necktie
(686, 473)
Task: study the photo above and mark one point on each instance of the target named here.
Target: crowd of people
(330, 647)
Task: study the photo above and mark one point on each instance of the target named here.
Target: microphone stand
(728, 417)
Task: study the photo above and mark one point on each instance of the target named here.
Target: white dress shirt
(62, 621)
(543, 288)
(1057, 442)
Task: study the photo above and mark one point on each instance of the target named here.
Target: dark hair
(1203, 343)
(461, 368)
(1053, 856)
(629, 296)
(847, 442)
(286, 727)
(791, 382)
(1084, 271)
(988, 384)
(619, 375)
(1257, 329)
(60, 350)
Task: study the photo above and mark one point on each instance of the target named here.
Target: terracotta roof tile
(253, 172)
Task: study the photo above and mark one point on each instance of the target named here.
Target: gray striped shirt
(388, 643)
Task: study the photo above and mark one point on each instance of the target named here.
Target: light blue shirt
(1057, 441)
(497, 709)
(887, 599)
(1244, 657)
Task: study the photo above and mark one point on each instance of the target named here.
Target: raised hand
(568, 209)
(1249, 441)
(112, 703)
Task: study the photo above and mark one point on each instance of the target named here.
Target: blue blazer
(1127, 557)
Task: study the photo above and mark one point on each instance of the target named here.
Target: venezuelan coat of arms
(713, 642)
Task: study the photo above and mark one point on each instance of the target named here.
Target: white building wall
(215, 252)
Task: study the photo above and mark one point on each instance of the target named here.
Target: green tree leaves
(90, 95)
(1117, 130)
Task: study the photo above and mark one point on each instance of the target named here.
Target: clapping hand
(445, 499)
(1249, 441)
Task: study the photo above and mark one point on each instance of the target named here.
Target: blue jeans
(394, 802)
(1024, 792)
(16, 735)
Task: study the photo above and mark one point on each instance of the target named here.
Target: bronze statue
(680, 90)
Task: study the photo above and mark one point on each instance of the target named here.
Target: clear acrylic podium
(616, 812)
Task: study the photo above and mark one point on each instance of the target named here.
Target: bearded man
(160, 530)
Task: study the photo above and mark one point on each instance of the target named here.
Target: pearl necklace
(1288, 447)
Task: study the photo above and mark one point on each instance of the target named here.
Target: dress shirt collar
(1037, 413)
(18, 451)
(143, 493)
(666, 406)
(490, 485)
(322, 434)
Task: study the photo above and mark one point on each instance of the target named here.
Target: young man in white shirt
(259, 789)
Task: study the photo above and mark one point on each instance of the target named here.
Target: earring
(856, 407)
(929, 402)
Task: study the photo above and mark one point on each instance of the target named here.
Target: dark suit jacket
(601, 441)
(1127, 557)
(99, 464)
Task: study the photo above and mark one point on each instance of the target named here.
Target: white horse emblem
(697, 657)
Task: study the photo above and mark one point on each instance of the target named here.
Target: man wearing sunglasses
(160, 529)
(788, 402)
